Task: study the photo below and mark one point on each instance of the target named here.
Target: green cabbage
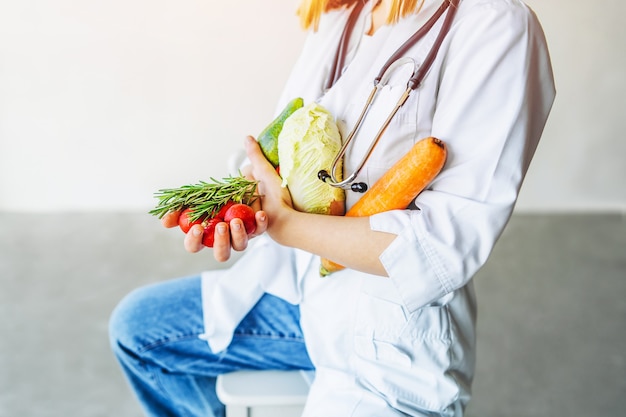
(307, 144)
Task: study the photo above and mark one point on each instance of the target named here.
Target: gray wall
(102, 103)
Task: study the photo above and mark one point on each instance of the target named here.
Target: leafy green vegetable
(307, 144)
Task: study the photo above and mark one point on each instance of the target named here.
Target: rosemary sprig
(205, 198)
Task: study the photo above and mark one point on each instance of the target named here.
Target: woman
(393, 333)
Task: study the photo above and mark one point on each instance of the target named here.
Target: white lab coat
(405, 344)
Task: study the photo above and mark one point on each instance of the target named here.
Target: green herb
(205, 198)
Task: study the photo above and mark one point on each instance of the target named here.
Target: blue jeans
(154, 335)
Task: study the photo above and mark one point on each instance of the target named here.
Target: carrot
(399, 186)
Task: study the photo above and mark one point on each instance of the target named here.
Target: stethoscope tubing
(347, 182)
(396, 59)
(419, 75)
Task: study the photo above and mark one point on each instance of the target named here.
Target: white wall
(104, 102)
(581, 162)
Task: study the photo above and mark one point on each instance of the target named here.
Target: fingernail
(221, 229)
(262, 217)
(236, 226)
(196, 231)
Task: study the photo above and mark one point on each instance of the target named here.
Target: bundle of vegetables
(299, 142)
(209, 203)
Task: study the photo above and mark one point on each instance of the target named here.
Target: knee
(148, 313)
(127, 320)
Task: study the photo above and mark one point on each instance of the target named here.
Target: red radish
(208, 237)
(220, 214)
(184, 220)
(243, 212)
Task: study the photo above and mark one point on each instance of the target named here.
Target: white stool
(264, 393)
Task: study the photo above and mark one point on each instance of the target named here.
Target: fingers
(273, 195)
(261, 223)
(238, 235)
(193, 239)
(221, 244)
(170, 219)
(253, 150)
(227, 237)
(260, 166)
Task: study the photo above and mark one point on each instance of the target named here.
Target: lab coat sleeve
(495, 90)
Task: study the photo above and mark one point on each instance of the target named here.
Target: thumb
(260, 164)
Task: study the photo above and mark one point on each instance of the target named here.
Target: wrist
(281, 227)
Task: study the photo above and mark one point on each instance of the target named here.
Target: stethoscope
(380, 81)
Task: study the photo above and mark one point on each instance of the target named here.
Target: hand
(275, 199)
(227, 236)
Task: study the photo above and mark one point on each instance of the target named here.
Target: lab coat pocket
(379, 324)
(404, 357)
(385, 330)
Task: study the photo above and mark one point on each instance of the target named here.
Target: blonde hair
(310, 11)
